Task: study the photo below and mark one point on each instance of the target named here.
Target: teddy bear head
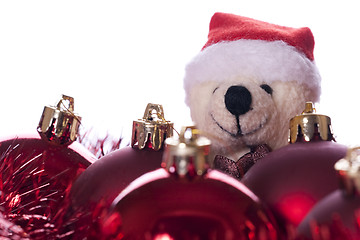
(248, 81)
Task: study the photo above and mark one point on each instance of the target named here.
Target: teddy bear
(247, 82)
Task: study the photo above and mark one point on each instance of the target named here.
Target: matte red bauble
(292, 179)
(97, 187)
(186, 200)
(337, 216)
(37, 172)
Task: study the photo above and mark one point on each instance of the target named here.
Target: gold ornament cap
(310, 126)
(188, 155)
(152, 130)
(348, 169)
(59, 125)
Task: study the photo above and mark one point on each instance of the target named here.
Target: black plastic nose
(238, 100)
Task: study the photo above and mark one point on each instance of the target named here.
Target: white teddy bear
(248, 81)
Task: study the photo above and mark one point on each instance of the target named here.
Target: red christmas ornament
(97, 187)
(36, 173)
(292, 179)
(337, 216)
(186, 200)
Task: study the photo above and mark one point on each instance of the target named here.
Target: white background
(114, 57)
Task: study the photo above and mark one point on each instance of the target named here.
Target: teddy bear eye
(215, 89)
(267, 88)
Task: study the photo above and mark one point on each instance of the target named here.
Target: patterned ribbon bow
(239, 168)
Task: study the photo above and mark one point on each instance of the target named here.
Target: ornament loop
(310, 126)
(188, 155)
(58, 124)
(152, 130)
(309, 108)
(70, 100)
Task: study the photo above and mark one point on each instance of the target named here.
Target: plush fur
(257, 59)
(259, 66)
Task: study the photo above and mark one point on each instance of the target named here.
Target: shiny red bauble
(160, 205)
(108, 176)
(37, 171)
(335, 217)
(292, 179)
(35, 179)
(96, 188)
(93, 192)
(187, 200)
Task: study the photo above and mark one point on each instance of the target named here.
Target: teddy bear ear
(267, 88)
(230, 27)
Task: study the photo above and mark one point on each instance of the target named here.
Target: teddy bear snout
(238, 100)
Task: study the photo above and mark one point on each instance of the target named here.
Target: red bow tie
(239, 168)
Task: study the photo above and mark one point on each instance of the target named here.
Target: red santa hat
(240, 46)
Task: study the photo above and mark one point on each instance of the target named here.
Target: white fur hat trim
(265, 61)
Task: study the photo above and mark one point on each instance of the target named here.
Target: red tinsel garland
(29, 195)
